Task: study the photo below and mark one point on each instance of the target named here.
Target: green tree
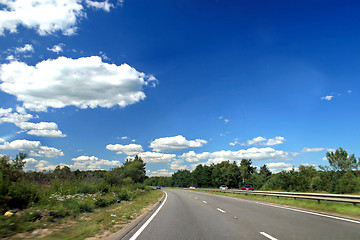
(201, 176)
(246, 169)
(341, 161)
(182, 178)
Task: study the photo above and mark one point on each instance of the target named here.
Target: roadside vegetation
(39, 200)
(341, 176)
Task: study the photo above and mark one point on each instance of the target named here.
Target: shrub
(22, 194)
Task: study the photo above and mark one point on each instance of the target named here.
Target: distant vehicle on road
(192, 187)
(247, 187)
(223, 187)
(158, 187)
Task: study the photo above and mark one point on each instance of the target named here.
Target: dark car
(247, 187)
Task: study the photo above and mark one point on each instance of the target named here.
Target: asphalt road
(196, 215)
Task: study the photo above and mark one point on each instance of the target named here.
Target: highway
(197, 215)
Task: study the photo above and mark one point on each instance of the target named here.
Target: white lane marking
(293, 209)
(268, 236)
(219, 209)
(136, 235)
(204, 202)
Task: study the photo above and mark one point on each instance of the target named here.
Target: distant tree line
(341, 176)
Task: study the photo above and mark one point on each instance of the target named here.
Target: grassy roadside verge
(344, 209)
(94, 225)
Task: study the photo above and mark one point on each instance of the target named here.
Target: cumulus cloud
(92, 163)
(225, 155)
(84, 82)
(306, 149)
(20, 118)
(175, 143)
(45, 16)
(7, 115)
(57, 48)
(155, 157)
(46, 133)
(276, 167)
(178, 164)
(32, 164)
(260, 141)
(82, 163)
(328, 98)
(35, 148)
(105, 5)
(26, 48)
(130, 149)
(160, 172)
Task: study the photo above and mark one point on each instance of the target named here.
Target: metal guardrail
(343, 198)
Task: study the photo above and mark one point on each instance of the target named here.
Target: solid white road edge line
(312, 213)
(204, 202)
(268, 236)
(135, 236)
(219, 209)
(293, 209)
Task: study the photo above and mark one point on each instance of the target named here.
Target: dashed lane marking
(220, 210)
(268, 236)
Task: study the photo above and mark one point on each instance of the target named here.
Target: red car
(247, 187)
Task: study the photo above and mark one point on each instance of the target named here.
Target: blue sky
(88, 83)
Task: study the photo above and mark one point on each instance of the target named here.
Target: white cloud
(38, 165)
(306, 149)
(256, 140)
(6, 115)
(38, 126)
(20, 118)
(155, 157)
(275, 141)
(328, 98)
(261, 141)
(57, 48)
(46, 133)
(177, 164)
(26, 48)
(92, 163)
(2, 140)
(45, 16)
(84, 82)
(130, 149)
(82, 163)
(125, 137)
(225, 155)
(160, 172)
(349, 91)
(105, 5)
(21, 110)
(10, 58)
(276, 167)
(35, 148)
(175, 143)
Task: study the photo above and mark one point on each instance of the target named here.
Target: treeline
(341, 176)
(19, 189)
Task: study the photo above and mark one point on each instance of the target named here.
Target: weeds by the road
(103, 217)
(328, 207)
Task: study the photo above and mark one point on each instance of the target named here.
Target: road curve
(197, 215)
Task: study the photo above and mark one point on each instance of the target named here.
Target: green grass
(95, 223)
(329, 207)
